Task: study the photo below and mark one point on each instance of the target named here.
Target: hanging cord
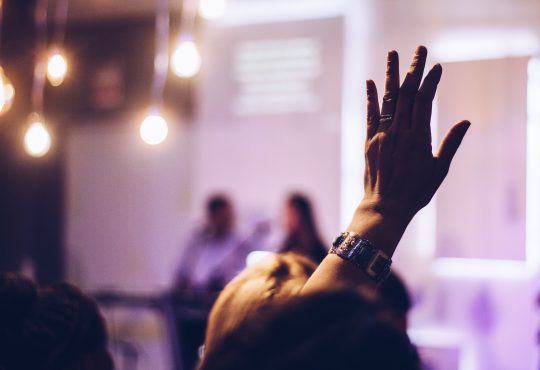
(61, 15)
(189, 14)
(1, 23)
(161, 57)
(38, 85)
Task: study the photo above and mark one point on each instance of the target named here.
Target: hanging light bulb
(212, 9)
(186, 60)
(37, 140)
(7, 93)
(154, 129)
(56, 68)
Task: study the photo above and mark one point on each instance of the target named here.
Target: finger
(373, 112)
(391, 85)
(421, 117)
(449, 147)
(409, 88)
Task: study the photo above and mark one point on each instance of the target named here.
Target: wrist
(382, 224)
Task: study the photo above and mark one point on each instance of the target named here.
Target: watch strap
(363, 254)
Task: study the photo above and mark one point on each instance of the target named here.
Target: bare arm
(401, 173)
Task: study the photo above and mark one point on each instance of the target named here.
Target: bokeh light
(56, 69)
(154, 129)
(37, 140)
(7, 93)
(186, 60)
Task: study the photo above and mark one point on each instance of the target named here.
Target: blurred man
(215, 253)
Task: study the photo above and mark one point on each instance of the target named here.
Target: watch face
(340, 238)
(363, 253)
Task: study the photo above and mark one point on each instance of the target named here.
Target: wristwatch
(364, 255)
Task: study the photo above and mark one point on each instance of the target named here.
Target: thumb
(450, 145)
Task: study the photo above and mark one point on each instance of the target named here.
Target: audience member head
(395, 299)
(219, 214)
(53, 328)
(301, 230)
(299, 214)
(328, 330)
(248, 296)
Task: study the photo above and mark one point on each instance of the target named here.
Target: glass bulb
(212, 9)
(56, 69)
(186, 60)
(37, 140)
(154, 129)
(7, 93)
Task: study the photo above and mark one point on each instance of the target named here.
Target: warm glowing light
(7, 93)
(212, 9)
(56, 69)
(37, 140)
(154, 129)
(186, 60)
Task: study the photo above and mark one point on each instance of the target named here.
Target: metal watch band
(353, 248)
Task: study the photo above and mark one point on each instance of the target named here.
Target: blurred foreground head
(331, 330)
(53, 328)
(249, 295)
(260, 321)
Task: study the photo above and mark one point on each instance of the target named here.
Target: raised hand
(401, 172)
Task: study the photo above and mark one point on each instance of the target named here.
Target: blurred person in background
(51, 328)
(302, 236)
(214, 254)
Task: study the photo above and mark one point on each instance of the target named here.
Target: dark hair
(216, 202)
(394, 294)
(47, 328)
(324, 331)
(302, 205)
(308, 233)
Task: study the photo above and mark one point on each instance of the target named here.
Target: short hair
(326, 330)
(54, 327)
(248, 295)
(217, 202)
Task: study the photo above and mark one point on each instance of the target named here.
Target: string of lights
(186, 59)
(51, 65)
(154, 128)
(57, 66)
(37, 139)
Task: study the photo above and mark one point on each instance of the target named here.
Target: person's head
(299, 214)
(248, 295)
(396, 300)
(219, 214)
(52, 328)
(328, 330)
